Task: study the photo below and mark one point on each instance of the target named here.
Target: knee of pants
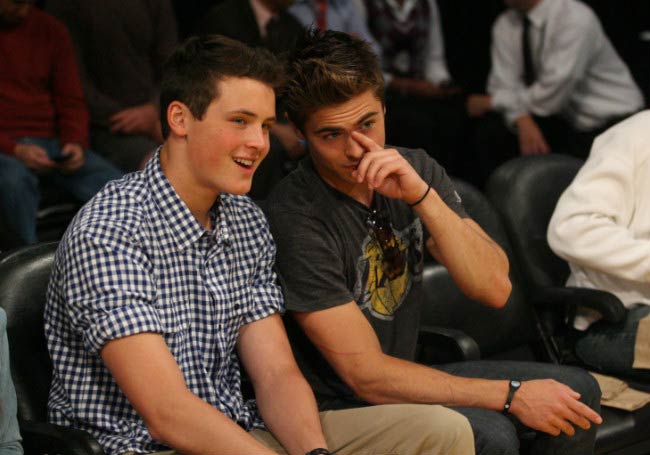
(442, 430)
(583, 383)
(494, 434)
(16, 177)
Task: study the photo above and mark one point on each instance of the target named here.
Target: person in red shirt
(43, 118)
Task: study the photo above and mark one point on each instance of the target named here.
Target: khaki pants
(394, 429)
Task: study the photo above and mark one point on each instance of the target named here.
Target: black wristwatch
(319, 451)
(514, 386)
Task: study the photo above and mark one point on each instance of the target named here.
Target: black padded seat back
(525, 191)
(24, 275)
(496, 331)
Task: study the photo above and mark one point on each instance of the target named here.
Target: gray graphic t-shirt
(329, 254)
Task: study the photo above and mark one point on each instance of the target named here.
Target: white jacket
(601, 224)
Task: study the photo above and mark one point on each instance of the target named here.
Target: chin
(239, 190)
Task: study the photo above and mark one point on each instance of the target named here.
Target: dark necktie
(274, 35)
(321, 14)
(529, 69)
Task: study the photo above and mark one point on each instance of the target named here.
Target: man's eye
(239, 121)
(367, 125)
(332, 135)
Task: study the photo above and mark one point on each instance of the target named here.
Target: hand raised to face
(387, 171)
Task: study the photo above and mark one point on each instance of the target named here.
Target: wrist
(420, 198)
(513, 386)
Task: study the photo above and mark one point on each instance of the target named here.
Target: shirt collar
(403, 11)
(540, 13)
(183, 226)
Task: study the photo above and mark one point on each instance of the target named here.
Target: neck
(199, 200)
(268, 6)
(529, 5)
(357, 191)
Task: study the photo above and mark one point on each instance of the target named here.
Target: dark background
(466, 29)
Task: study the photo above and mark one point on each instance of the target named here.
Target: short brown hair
(328, 68)
(191, 73)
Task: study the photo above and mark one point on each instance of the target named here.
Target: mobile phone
(61, 158)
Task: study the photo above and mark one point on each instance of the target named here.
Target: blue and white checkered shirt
(136, 260)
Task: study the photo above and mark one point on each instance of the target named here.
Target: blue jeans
(19, 186)
(610, 347)
(498, 434)
(9, 434)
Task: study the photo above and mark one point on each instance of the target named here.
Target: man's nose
(353, 149)
(257, 138)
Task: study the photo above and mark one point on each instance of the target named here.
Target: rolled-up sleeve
(109, 291)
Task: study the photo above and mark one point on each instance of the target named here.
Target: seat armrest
(40, 438)
(606, 303)
(440, 345)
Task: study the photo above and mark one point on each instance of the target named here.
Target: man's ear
(178, 118)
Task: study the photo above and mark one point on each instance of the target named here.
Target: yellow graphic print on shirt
(383, 282)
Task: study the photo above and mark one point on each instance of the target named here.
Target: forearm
(476, 263)
(191, 426)
(395, 380)
(299, 431)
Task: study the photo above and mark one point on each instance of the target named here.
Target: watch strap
(319, 451)
(513, 386)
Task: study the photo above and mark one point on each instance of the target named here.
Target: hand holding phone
(62, 158)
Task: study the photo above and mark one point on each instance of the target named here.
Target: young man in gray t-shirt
(350, 225)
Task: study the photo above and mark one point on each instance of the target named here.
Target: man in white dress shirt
(556, 80)
(600, 225)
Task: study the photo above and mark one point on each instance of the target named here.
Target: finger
(564, 426)
(368, 161)
(40, 156)
(366, 142)
(73, 164)
(42, 162)
(576, 419)
(117, 117)
(376, 163)
(120, 125)
(582, 409)
(383, 171)
(550, 428)
(362, 167)
(525, 150)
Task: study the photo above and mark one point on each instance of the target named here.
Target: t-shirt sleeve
(109, 291)
(435, 174)
(309, 263)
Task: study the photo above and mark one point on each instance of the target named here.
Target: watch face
(516, 384)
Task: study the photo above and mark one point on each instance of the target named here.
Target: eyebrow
(329, 129)
(251, 114)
